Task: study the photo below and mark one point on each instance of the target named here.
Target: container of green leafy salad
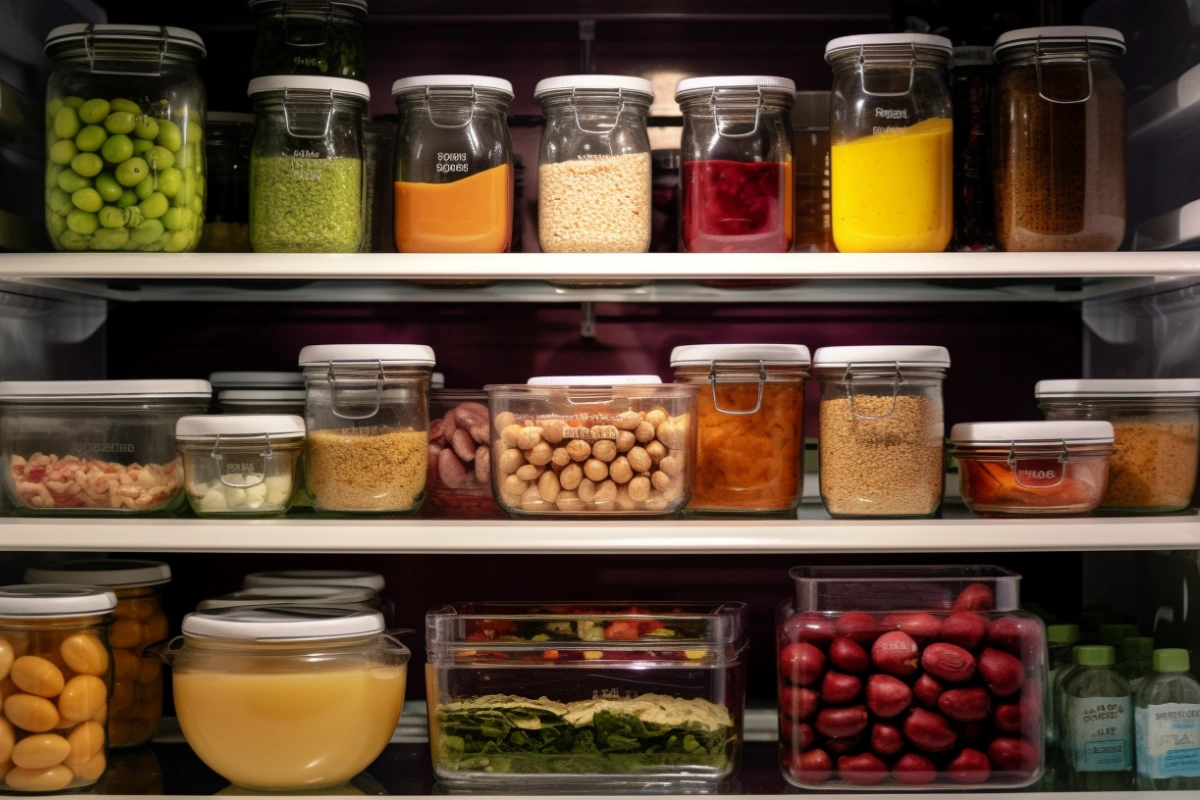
(587, 694)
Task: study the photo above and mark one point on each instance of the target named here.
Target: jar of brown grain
(1059, 127)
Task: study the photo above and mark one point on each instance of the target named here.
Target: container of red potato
(909, 678)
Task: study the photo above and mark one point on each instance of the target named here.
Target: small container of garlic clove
(241, 465)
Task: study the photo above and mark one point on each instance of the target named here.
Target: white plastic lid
(704, 354)
(92, 390)
(919, 355)
(320, 83)
(869, 39)
(437, 381)
(243, 380)
(209, 425)
(772, 82)
(596, 82)
(314, 577)
(226, 117)
(421, 82)
(594, 380)
(416, 355)
(282, 623)
(1071, 431)
(112, 573)
(249, 397)
(299, 594)
(1120, 389)
(54, 600)
(78, 30)
(360, 5)
(1061, 33)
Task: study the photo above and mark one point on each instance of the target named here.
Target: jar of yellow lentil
(138, 621)
(55, 673)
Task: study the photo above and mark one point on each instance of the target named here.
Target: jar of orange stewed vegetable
(750, 442)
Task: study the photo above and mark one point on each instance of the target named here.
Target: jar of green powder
(306, 166)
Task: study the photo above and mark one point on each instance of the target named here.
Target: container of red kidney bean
(459, 484)
(900, 677)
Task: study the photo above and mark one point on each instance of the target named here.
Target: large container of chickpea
(56, 670)
(138, 621)
(580, 445)
(750, 425)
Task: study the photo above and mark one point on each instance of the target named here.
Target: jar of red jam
(736, 189)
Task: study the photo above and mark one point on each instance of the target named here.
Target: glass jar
(594, 164)
(973, 82)
(453, 165)
(892, 133)
(1059, 127)
(736, 191)
(664, 194)
(255, 380)
(227, 219)
(349, 596)
(460, 457)
(810, 154)
(750, 425)
(56, 692)
(244, 465)
(94, 447)
(261, 401)
(306, 169)
(138, 621)
(367, 414)
(882, 433)
(281, 698)
(1156, 437)
(310, 37)
(125, 138)
(1039, 468)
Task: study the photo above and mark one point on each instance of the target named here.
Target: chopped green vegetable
(306, 205)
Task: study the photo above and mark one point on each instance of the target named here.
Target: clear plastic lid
(91, 391)
(904, 588)
(315, 577)
(53, 601)
(690, 355)
(1118, 389)
(111, 573)
(284, 426)
(299, 594)
(282, 623)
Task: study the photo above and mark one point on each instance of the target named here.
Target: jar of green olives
(125, 138)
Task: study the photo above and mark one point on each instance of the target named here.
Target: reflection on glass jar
(227, 220)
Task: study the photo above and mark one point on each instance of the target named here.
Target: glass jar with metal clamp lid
(310, 37)
(882, 429)
(750, 425)
(367, 414)
(1059, 128)
(892, 143)
(240, 464)
(1050, 467)
(737, 188)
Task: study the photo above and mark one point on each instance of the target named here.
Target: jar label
(1101, 733)
(1039, 473)
(1168, 740)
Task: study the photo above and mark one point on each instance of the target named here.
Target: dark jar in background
(664, 200)
(972, 81)
(810, 153)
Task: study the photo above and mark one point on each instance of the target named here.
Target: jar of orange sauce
(750, 431)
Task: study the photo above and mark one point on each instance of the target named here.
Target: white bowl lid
(78, 30)
(1120, 389)
(417, 355)
(593, 82)
(772, 82)
(905, 355)
(314, 577)
(93, 390)
(319, 83)
(869, 39)
(112, 573)
(701, 354)
(242, 380)
(298, 594)
(420, 82)
(1070, 431)
(209, 425)
(282, 623)
(1061, 33)
(54, 600)
(259, 396)
(594, 380)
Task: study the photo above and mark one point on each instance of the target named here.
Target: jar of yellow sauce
(282, 698)
(891, 166)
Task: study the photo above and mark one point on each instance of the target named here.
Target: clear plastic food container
(568, 445)
(750, 423)
(310, 37)
(261, 401)
(272, 381)
(89, 447)
(281, 698)
(460, 457)
(346, 595)
(909, 678)
(1156, 436)
(1055, 468)
(591, 695)
(367, 414)
(882, 438)
(338, 578)
(138, 621)
(59, 670)
(241, 464)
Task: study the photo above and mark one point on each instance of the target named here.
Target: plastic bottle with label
(1062, 640)
(1096, 729)
(1167, 716)
(1136, 662)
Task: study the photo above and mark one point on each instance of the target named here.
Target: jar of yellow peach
(55, 673)
(138, 621)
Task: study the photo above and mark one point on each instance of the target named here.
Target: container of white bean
(241, 464)
(583, 445)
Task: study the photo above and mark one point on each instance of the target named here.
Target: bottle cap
(1137, 647)
(1115, 633)
(1062, 634)
(1171, 659)
(1095, 655)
